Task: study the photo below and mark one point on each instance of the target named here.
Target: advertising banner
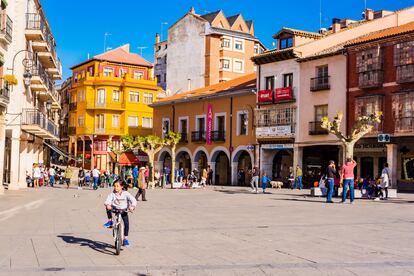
(209, 123)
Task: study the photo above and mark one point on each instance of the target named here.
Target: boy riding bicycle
(120, 200)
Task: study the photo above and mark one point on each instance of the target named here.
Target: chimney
(336, 25)
(369, 14)
(189, 85)
(192, 10)
(157, 38)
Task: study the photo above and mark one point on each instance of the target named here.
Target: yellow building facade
(109, 98)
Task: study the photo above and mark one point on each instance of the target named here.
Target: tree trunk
(349, 150)
(151, 164)
(172, 166)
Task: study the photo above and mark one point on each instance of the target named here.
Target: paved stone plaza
(221, 231)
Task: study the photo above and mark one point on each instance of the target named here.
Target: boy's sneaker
(125, 243)
(108, 224)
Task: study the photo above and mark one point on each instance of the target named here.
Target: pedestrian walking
(52, 174)
(146, 175)
(81, 178)
(254, 183)
(95, 175)
(330, 175)
(68, 176)
(37, 174)
(265, 182)
(167, 172)
(347, 179)
(204, 176)
(142, 185)
(385, 181)
(135, 176)
(298, 179)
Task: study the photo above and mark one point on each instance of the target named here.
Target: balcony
(315, 128)
(198, 136)
(100, 131)
(184, 138)
(4, 96)
(6, 28)
(73, 106)
(404, 125)
(320, 83)
(44, 86)
(218, 136)
(284, 94)
(127, 79)
(405, 73)
(371, 79)
(37, 123)
(43, 41)
(110, 105)
(275, 122)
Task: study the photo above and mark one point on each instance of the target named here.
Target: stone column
(297, 156)
(2, 152)
(392, 160)
(15, 160)
(233, 169)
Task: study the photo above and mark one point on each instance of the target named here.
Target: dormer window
(286, 43)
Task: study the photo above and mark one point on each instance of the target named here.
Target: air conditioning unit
(384, 138)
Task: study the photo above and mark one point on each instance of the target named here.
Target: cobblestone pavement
(215, 231)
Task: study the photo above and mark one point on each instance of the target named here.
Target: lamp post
(27, 64)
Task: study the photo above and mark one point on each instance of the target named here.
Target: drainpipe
(231, 140)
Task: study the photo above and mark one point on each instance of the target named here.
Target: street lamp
(27, 76)
(49, 105)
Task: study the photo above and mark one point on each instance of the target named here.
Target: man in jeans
(95, 175)
(347, 177)
(330, 174)
(254, 183)
(298, 181)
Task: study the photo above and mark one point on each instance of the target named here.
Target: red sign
(209, 123)
(265, 96)
(285, 93)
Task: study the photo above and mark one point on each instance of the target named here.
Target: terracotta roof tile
(122, 55)
(398, 30)
(213, 89)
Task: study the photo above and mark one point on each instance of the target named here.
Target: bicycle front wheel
(118, 241)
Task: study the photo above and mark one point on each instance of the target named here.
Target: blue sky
(79, 25)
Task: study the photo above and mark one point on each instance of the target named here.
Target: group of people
(47, 176)
(96, 178)
(183, 179)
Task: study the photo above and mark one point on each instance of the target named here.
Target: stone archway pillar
(233, 169)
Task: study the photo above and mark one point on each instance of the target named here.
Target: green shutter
(4, 4)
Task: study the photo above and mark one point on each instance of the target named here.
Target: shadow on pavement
(299, 200)
(233, 192)
(101, 247)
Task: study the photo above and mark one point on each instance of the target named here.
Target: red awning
(128, 159)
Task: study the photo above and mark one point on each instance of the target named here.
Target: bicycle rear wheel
(118, 241)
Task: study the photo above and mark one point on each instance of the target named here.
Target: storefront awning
(128, 159)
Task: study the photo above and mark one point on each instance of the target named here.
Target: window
(256, 49)
(123, 72)
(238, 44)
(116, 96)
(225, 64)
(183, 126)
(81, 121)
(286, 43)
(133, 121)
(320, 112)
(115, 121)
(134, 96)
(238, 66)
(138, 75)
(100, 99)
(107, 72)
(270, 83)
(148, 98)
(165, 126)
(403, 108)
(147, 122)
(322, 71)
(288, 80)
(100, 122)
(81, 95)
(368, 105)
(225, 43)
(242, 123)
(201, 123)
(220, 122)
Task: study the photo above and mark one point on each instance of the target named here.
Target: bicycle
(117, 229)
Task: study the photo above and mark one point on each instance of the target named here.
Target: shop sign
(377, 147)
(272, 131)
(265, 96)
(209, 123)
(277, 146)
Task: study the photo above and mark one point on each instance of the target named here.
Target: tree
(127, 143)
(362, 126)
(171, 140)
(151, 145)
